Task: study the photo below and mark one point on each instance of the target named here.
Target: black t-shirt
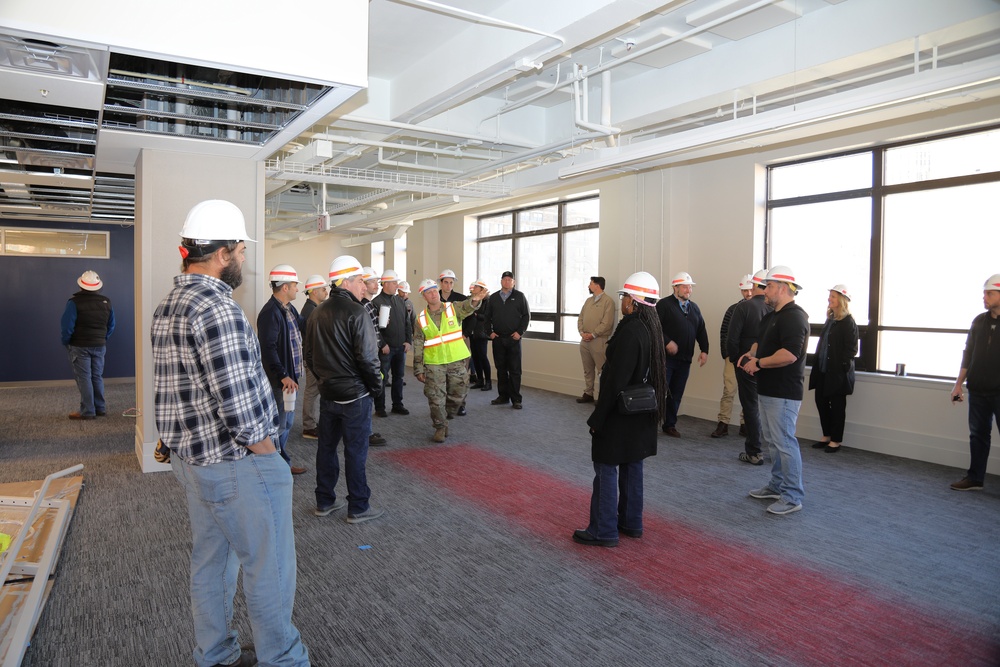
(787, 329)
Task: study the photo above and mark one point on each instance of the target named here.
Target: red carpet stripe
(761, 599)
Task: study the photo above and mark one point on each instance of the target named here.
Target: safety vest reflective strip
(444, 345)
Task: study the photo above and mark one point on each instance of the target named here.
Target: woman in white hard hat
(832, 373)
(620, 441)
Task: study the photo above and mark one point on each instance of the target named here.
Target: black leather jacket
(341, 349)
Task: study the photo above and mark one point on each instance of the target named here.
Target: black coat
(842, 347)
(622, 438)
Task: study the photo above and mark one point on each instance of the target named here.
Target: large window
(552, 250)
(912, 229)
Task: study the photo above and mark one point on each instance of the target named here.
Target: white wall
(707, 218)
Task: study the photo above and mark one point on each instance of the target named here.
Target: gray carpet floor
(452, 578)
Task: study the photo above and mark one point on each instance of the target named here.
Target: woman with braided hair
(620, 441)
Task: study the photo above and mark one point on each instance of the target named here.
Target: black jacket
(275, 342)
(341, 349)
(505, 317)
(982, 357)
(622, 438)
(841, 348)
(399, 330)
(744, 326)
(682, 329)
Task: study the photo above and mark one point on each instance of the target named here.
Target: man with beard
(682, 324)
(778, 359)
(216, 413)
(597, 319)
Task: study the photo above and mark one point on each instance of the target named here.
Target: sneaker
(585, 538)
(782, 507)
(765, 493)
(966, 484)
(310, 434)
(753, 459)
(330, 509)
(376, 440)
(399, 410)
(367, 515)
(461, 411)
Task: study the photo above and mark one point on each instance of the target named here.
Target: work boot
(586, 398)
(720, 430)
(440, 433)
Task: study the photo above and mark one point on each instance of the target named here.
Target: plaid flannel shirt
(212, 397)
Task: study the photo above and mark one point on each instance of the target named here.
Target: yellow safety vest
(445, 345)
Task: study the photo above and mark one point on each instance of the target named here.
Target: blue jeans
(777, 421)
(285, 420)
(88, 368)
(677, 379)
(241, 514)
(395, 361)
(351, 422)
(617, 499)
(982, 411)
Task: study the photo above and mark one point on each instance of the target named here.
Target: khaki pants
(592, 353)
(728, 393)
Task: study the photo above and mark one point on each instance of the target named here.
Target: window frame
(867, 359)
(560, 230)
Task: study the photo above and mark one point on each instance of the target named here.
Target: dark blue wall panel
(33, 295)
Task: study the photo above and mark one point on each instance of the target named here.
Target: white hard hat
(404, 287)
(760, 278)
(389, 275)
(682, 278)
(283, 273)
(746, 282)
(90, 281)
(314, 282)
(993, 284)
(842, 290)
(783, 274)
(480, 283)
(215, 220)
(345, 266)
(447, 273)
(427, 284)
(369, 273)
(642, 287)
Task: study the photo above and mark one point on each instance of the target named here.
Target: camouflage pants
(445, 387)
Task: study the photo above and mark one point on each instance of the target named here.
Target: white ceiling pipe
(606, 104)
(482, 18)
(413, 165)
(581, 122)
(393, 233)
(705, 27)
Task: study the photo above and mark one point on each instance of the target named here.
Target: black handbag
(637, 399)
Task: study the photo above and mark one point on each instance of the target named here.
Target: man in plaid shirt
(216, 412)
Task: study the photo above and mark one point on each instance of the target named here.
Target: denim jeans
(285, 420)
(396, 362)
(777, 420)
(617, 499)
(677, 379)
(747, 386)
(982, 411)
(352, 423)
(241, 514)
(88, 369)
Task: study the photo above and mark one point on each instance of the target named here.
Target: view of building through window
(552, 250)
(911, 229)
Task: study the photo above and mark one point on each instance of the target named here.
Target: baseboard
(148, 462)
